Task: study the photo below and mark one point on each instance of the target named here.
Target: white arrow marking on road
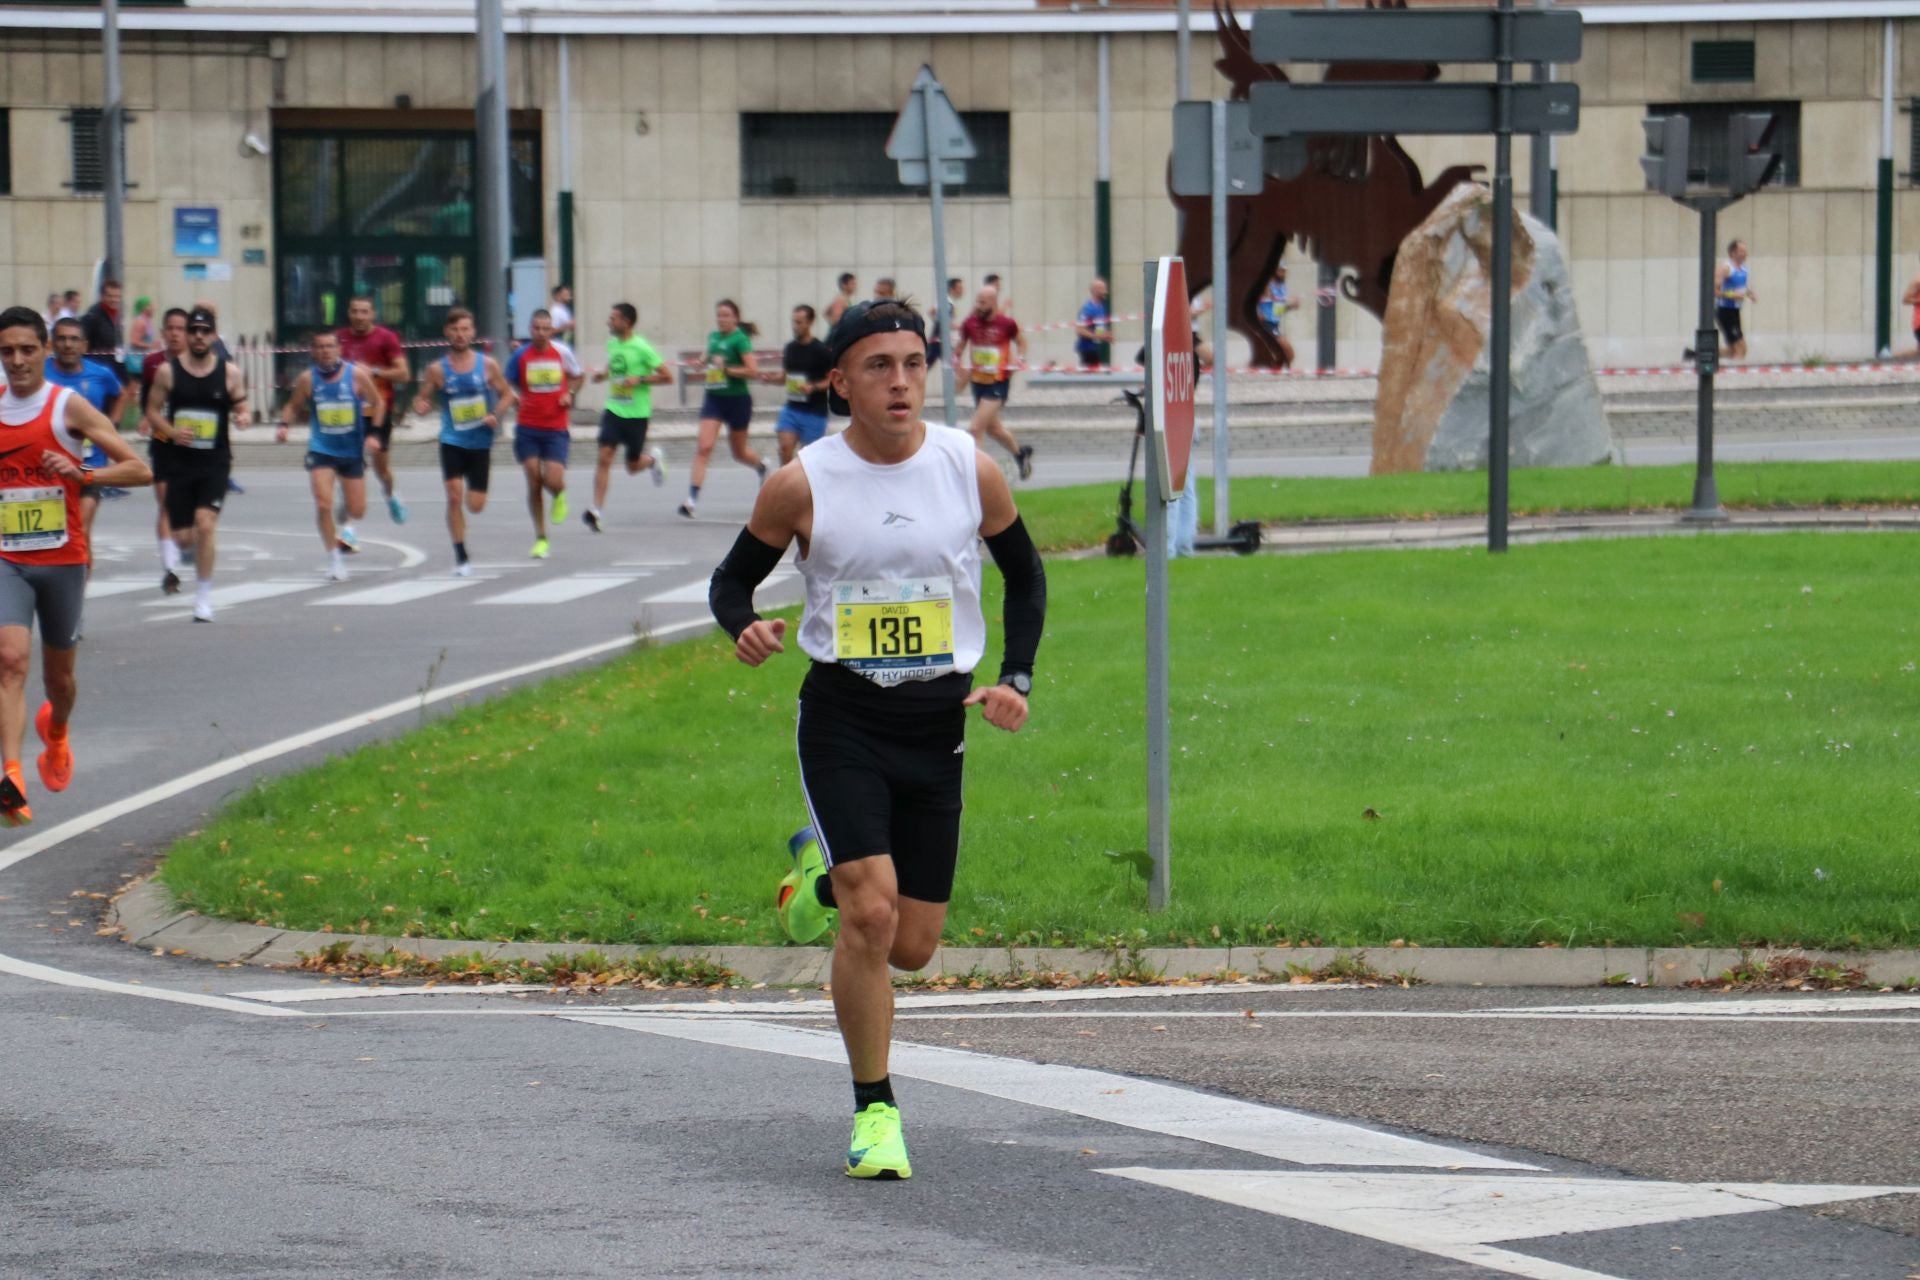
(561, 590)
(1275, 1132)
(1462, 1218)
(398, 592)
(62, 978)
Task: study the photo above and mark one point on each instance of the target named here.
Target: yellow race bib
(545, 377)
(467, 411)
(196, 428)
(33, 519)
(336, 419)
(892, 632)
(797, 387)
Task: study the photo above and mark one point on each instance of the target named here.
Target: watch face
(1022, 685)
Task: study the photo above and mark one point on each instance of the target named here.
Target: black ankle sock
(864, 1095)
(459, 553)
(823, 890)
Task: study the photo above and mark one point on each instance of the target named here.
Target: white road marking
(397, 592)
(410, 555)
(101, 588)
(304, 995)
(561, 590)
(696, 592)
(1275, 1132)
(239, 593)
(816, 1007)
(1741, 1008)
(62, 978)
(651, 564)
(1464, 1218)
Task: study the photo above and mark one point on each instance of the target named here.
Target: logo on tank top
(894, 517)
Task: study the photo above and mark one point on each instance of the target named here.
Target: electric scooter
(1128, 537)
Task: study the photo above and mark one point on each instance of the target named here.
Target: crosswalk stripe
(397, 592)
(696, 592)
(239, 593)
(561, 590)
(100, 589)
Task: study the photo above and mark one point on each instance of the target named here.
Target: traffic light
(1751, 161)
(1665, 163)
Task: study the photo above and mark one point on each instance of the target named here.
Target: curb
(146, 917)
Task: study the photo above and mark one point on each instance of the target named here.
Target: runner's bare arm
(124, 468)
(783, 512)
(429, 383)
(241, 415)
(296, 405)
(1024, 612)
(748, 368)
(399, 373)
(156, 411)
(369, 393)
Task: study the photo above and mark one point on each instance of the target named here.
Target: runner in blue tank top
(1730, 291)
(473, 394)
(336, 400)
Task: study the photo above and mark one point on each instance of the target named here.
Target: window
(6, 152)
(833, 155)
(1913, 142)
(1722, 61)
(83, 144)
(1707, 139)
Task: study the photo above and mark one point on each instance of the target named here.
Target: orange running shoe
(13, 796)
(56, 762)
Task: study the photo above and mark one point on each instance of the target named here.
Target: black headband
(858, 322)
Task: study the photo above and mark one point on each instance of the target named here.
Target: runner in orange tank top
(43, 547)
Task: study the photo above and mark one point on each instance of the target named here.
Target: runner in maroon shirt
(991, 335)
(377, 349)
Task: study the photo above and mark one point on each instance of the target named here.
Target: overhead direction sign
(1412, 35)
(928, 129)
(1281, 108)
(1170, 380)
(1193, 150)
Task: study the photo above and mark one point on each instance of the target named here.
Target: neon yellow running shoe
(560, 507)
(540, 549)
(798, 900)
(878, 1149)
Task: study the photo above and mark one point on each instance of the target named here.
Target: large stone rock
(1434, 385)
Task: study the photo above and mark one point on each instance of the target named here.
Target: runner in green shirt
(633, 366)
(730, 368)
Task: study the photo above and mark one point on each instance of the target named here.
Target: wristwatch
(1020, 682)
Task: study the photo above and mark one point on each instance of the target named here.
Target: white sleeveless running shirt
(893, 568)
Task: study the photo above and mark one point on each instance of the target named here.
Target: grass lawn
(1083, 515)
(1659, 741)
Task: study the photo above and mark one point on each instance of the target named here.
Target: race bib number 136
(890, 632)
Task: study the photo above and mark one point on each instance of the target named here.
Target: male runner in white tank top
(888, 515)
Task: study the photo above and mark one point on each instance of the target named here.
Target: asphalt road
(169, 1118)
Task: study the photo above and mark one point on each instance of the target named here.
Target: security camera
(256, 144)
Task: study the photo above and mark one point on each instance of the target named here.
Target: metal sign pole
(1501, 338)
(935, 162)
(1159, 785)
(113, 123)
(1222, 299)
(1706, 358)
(1326, 318)
(496, 217)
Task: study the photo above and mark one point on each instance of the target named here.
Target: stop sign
(1170, 376)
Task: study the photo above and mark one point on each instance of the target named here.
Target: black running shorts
(885, 780)
(475, 466)
(1728, 319)
(617, 432)
(190, 489)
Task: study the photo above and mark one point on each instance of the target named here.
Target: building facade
(729, 151)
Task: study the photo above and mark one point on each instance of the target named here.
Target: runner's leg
(321, 480)
(709, 436)
(744, 453)
(536, 497)
(56, 672)
(16, 657)
(867, 895)
(603, 474)
(456, 487)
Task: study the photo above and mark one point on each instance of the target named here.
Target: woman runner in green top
(729, 400)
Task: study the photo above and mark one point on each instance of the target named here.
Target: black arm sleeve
(1026, 605)
(730, 594)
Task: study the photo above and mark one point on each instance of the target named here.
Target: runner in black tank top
(197, 399)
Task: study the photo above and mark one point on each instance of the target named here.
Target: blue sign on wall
(196, 233)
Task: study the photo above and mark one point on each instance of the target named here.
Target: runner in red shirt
(984, 354)
(43, 547)
(547, 375)
(376, 348)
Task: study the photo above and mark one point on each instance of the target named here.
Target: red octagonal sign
(1170, 376)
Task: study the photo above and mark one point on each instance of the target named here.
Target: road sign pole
(1223, 298)
(936, 189)
(495, 209)
(1501, 339)
(1159, 783)
(1327, 300)
(1706, 358)
(113, 123)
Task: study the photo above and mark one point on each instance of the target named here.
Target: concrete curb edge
(146, 917)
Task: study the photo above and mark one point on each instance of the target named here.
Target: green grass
(1662, 741)
(1083, 515)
